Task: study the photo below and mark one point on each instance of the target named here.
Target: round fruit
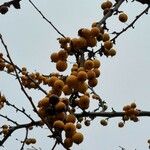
(103, 122)
(54, 57)
(104, 5)
(120, 124)
(112, 52)
(53, 99)
(84, 102)
(58, 124)
(58, 85)
(84, 32)
(82, 76)
(97, 72)
(61, 65)
(107, 4)
(44, 102)
(82, 42)
(97, 63)
(70, 129)
(60, 106)
(108, 45)
(95, 32)
(87, 122)
(106, 37)
(91, 41)
(72, 81)
(62, 55)
(92, 82)
(88, 64)
(78, 126)
(123, 17)
(70, 118)
(77, 138)
(91, 74)
(68, 142)
(82, 87)
(67, 90)
(133, 105)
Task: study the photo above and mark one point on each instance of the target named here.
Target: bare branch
(131, 25)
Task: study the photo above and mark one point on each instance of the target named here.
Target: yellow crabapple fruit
(106, 37)
(67, 90)
(96, 63)
(84, 102)
(84, 32)
(70, 118)
(92, 82)
(120, 124)
(61, 65)
(97, 72)
(91, 41)
(123, 17)
(58, 84)
(82, 87)
(88, 64)
(58, 124)
(78, 138)
(103, 122)
(112, 52)
(82, 76)
(72, 81)
(60, 106)
(62, 55)
(91, 74)
(108, 45)
(68, 142)
(54, 57)
(95, 32)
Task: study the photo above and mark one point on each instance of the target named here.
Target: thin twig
(17, 76)
(46, 19)
(17, 109)
(56, 142)
(14, 122)
(26, 136)
(12, 129)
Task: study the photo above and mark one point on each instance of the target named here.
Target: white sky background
(124, 78)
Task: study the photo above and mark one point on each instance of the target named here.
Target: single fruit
(123, 17)
(58, 124)
(61, 65)
(77, 138)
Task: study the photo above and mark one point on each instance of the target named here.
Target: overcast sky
(124, 78)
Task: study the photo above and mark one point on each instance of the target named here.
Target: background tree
(80, 46)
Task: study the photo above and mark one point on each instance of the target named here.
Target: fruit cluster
(3, 65)
(108, 5)
(131, 112)
(59, 112)
(56, 113)
(31, 80)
